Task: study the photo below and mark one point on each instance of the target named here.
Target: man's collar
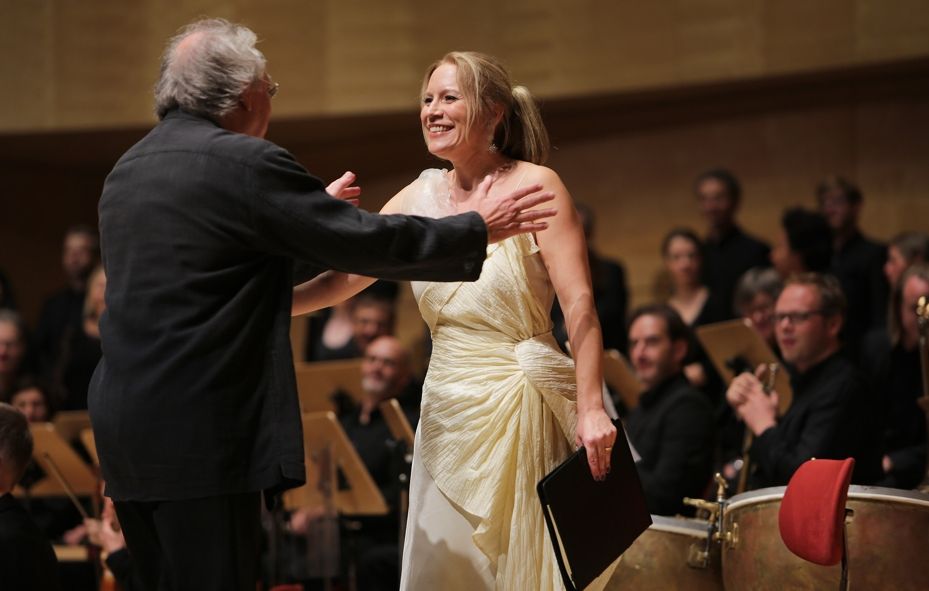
(798, 378)
(727, 234)
(653, 395)
(179, 113)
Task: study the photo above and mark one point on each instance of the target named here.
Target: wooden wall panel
(638, 180)
(92, 64)
(294, 36)
(891, 28)
(97, 65)
(26, 50)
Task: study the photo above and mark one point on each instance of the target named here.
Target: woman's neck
(469, 172)
(688, 292)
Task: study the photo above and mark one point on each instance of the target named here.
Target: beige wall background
(639, 98)
(91, 64)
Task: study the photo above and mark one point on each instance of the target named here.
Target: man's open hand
(512, 214)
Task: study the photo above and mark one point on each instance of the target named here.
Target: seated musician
(386, 372)
(891, 360)
(672, 427)
(827, 417)
(27, 560)
(107, 534)
(55, 516)
(369, 315)
(31, 397)
(755, 295)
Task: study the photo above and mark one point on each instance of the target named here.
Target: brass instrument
(745, 470)
(922, 320)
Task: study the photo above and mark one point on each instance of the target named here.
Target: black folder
(591, 523)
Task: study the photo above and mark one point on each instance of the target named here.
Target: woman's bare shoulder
(530, 173)
(536, 174)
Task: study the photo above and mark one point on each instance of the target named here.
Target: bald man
(386, 372)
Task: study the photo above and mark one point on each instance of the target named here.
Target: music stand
(618, 374)
(402, 431)
(47, 443)
(319, 380)
(90, 444)
(327, 450)
(70, 423)
(397, 422)
(322, 432)
(733, 339)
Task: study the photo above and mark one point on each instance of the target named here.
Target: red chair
(812, 514)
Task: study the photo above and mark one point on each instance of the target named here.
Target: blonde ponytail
(524, 134)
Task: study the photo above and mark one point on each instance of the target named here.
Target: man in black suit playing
(194, 403)
(27, 560)
(672, 427)
(830, 415)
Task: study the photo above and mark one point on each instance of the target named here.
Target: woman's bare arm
(564, 251)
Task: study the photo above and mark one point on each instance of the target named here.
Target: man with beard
(672, 427)
(386, 372)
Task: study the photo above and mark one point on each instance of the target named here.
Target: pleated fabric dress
(498, 413)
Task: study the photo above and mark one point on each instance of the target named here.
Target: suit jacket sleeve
(779, 458)
(293, 216)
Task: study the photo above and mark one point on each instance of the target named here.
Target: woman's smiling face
(444, 114)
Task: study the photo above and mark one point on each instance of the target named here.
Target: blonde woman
(501, 404)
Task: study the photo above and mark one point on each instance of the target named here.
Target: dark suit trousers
(205, 544)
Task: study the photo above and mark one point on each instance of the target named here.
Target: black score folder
(591, 523)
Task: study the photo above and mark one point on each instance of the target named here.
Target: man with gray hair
(194, 403)
(27, 560)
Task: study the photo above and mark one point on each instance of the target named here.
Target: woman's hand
(596, 432)
(342, 188)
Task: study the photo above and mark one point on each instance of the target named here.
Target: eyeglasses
(273, 87)
(385, 361)
(796, 317)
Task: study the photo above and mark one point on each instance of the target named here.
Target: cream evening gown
(498, 413)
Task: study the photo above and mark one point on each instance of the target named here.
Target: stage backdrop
(639, 99)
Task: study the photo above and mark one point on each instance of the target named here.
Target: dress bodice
(513, 295)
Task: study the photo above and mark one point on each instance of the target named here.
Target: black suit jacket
(672, 429)
(859, 267)
(726, 260)
(27, 560)
(195, 395)
(831, 416)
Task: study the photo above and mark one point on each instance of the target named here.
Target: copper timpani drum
(888, 543)
(668, 556)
